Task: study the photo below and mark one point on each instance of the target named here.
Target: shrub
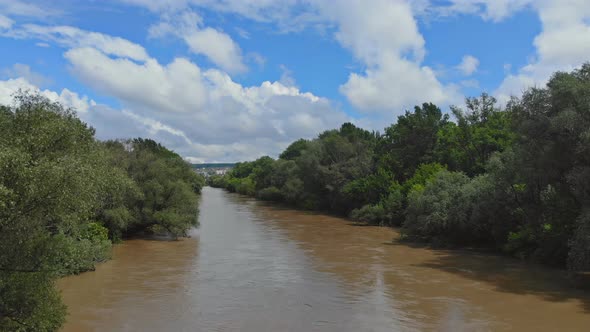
(369, 214)
(270, 194)
(579, 255)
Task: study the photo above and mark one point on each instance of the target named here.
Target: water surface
(255, 267)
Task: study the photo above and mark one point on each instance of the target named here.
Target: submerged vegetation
(65, 197)
(516, 179)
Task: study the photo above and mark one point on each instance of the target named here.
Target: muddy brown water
(255, 267)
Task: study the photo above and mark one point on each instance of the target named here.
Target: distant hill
(213, 165)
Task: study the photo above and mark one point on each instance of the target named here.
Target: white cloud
(493, 10)
(66, 97)
(468, 65)
(159, 5)
(497, 10)
(216, 45)
(239, 123)
(385, 38)
(397, 84)
(259, 10)
(5, 22)
(473, 84)
(382, 36)
(199, 111)
(563, 44)
(287, 76)
(256, 58)
(67, 36)
(243, 33)
(21, 70)
(177, 87)
(26, 8)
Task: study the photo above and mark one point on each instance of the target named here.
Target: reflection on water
(255, 267)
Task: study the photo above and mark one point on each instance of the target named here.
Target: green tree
(479, 132)
(64, 196)
(168, 188)
(411, 141)
(50, 186)
(294, 150)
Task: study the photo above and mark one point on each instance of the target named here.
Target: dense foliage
(517, 179)
(65, 197)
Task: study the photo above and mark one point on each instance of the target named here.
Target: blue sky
(231, 80)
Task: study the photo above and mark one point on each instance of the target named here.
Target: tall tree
(411, 141)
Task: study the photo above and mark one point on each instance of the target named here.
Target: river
(252, 266)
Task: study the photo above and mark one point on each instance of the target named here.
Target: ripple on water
(254, 267)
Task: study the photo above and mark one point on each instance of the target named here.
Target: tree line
(65, 197)
(516, 178)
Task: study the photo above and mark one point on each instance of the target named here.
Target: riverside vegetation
(515, 179)
(65, 197)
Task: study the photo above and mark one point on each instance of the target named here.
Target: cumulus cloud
(182, 94)
(239, 123)
(176, 87)
(382, 36)
(385, 38)
(21, 70)
(216, 45)
(468, 65)
(200, 112)
(203, 114)
(66, 97)
(396, 85)
(563, 44)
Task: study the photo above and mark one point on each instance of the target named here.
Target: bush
(246, 186)
(448, 210)
(369, 214)
(579, 255)
(424, 174)
(393, 206)
(388, 212)
(217, 181)
(270, 194)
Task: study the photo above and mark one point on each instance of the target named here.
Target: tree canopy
(65, 197)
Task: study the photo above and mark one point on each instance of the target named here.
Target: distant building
(212, 169)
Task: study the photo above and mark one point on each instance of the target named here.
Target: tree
(50, 185)
(480, 131)
(169, 189)
(64, 196)
(553, 165)
(294, 150)
(411, 141)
